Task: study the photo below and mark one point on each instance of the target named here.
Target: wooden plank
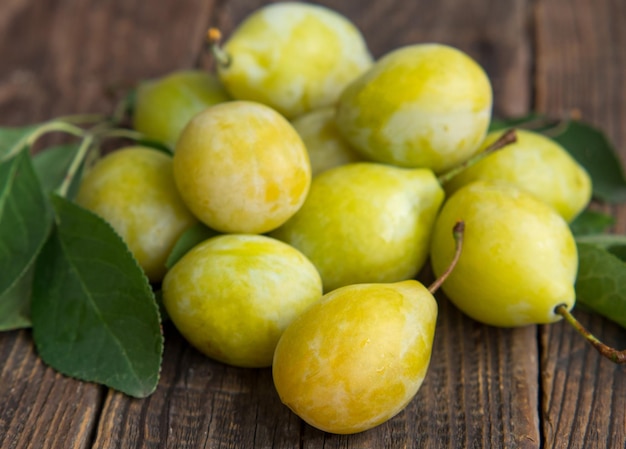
(212, 406)
(582, 393)
(62, 57)
(495, 33)
(199, 403)
(66, 56)
(481, 388)
(40, 408)
(581, 66)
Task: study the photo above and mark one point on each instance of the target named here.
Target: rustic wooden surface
(486, 387)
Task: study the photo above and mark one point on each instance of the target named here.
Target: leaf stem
(614, 355)
(54, 125)
(507, 138)
(458, 232)
(85, 145)
(29, 139)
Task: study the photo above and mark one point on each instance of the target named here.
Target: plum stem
(507, 138)
(614, 355)
(457, 232)
(214, 37)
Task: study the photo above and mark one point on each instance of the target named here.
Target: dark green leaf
(591, 148)
(190, 238)
(613, 243)
(94, 314)
(601, 282)
(618, 251)
(15, 303)
(25, 218)
(591, 222)
(51, 165)
(13, 140)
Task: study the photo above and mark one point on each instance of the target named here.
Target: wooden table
(531, 387)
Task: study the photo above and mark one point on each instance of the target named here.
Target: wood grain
(40, 408)
(63, 57)
(199, 403)
(581, 66)
(486, 387)
(481, 388)
(582, 393)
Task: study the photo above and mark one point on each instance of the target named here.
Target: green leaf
(190, 238)
(615, 244)
(14, 140)
(94, 314)
(591, 222)
(25, 218)
(15, 303)
(591, 148)
(618, 251)
(601, 282)
(52, 164)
